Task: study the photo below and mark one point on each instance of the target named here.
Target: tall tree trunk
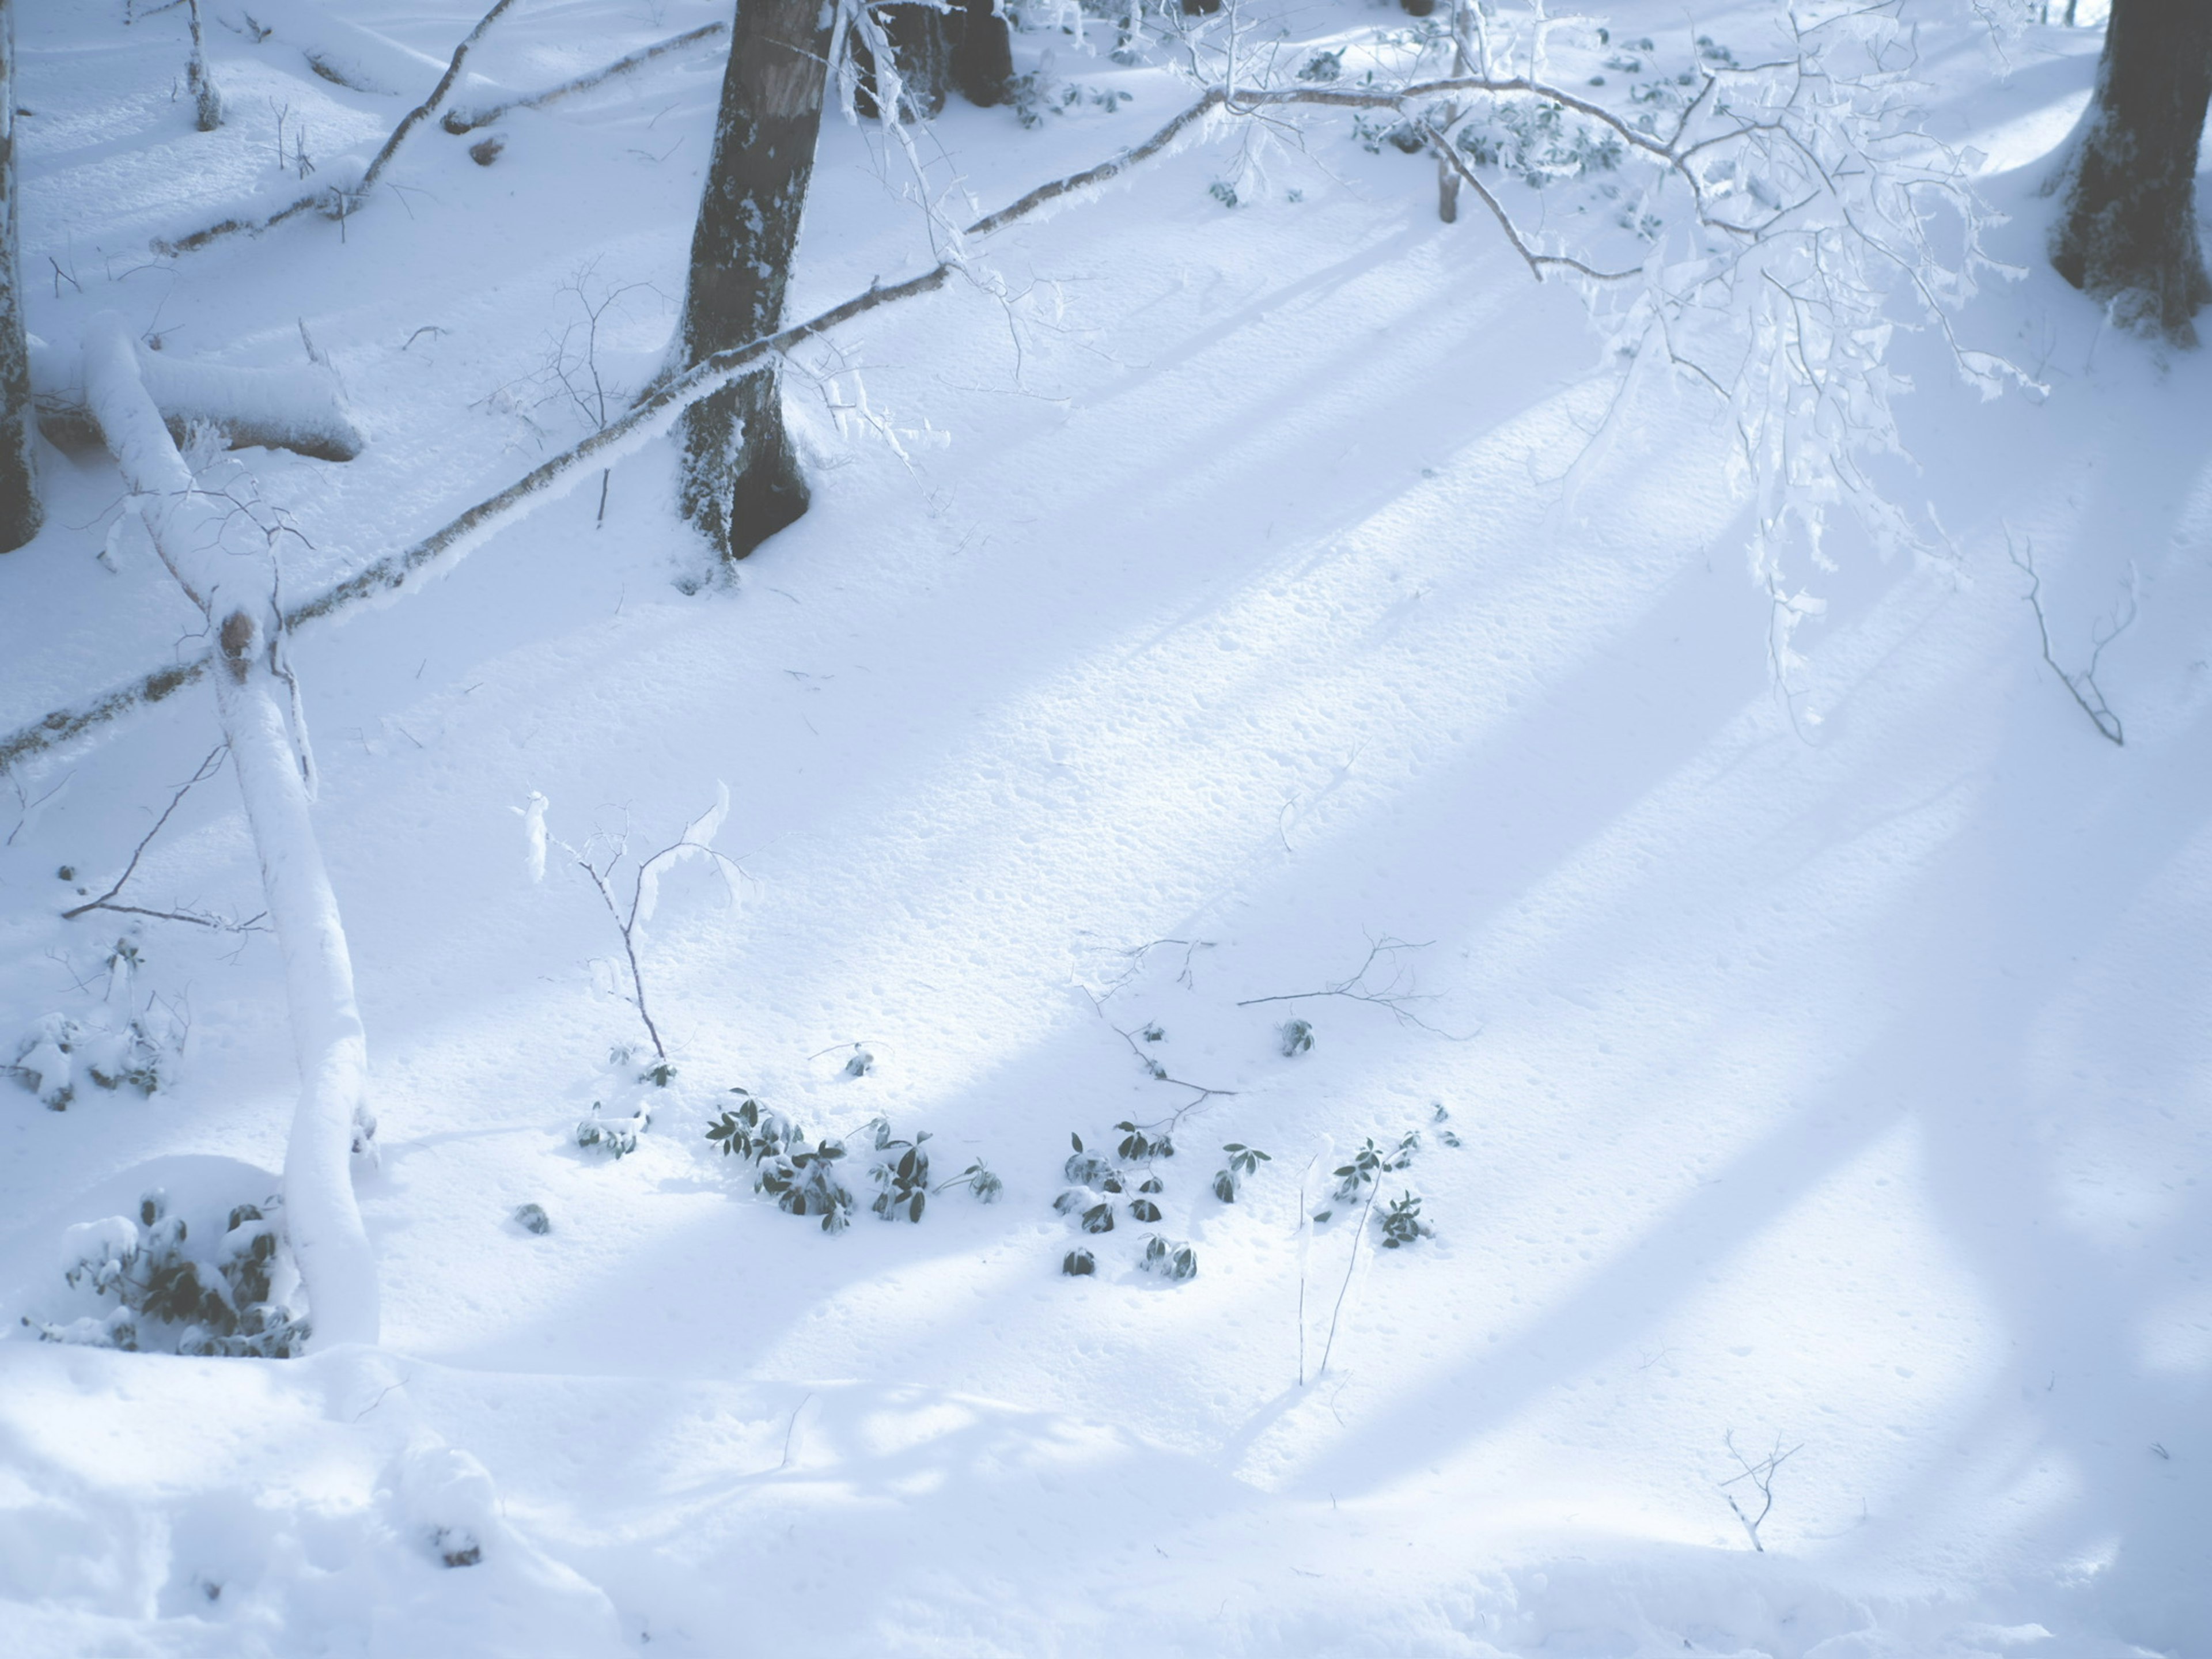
(2128, 233)
(982, 51)
(19, 514)
(741, 484)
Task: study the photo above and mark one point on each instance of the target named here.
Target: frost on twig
(602, 859)
(2082, 687)
(1758, 1475)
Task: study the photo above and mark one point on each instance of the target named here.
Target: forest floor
(1206, 604)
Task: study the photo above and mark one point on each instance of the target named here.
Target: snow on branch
(302, 407)
(458, 121)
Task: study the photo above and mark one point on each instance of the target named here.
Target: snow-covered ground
(1820, 1065)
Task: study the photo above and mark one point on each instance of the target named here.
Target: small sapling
(978, 1179)
(615, 1135)
(1242, 1161)
(1402, 1223)
(902, 1174)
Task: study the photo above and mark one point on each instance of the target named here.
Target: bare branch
(208, 769)
(2081, 687)
(1356, 989)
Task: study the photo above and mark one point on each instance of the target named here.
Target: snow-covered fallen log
(206, 541)
(299, 407)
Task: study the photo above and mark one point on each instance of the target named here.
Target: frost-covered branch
(459, 121)
(601, 858)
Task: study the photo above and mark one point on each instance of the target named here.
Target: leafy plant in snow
(117, 1045)
(901, 1173)
(617, 1136)
(805, 1180)
(220, 1302)
(1402, 1223)
(1358, 1175)
(1171, 1259)
(1242, 1161)
(1297, 1038)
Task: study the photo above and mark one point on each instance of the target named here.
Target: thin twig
(208, 769)
(2082, 687)
(1357, 1233)
(1356, 989)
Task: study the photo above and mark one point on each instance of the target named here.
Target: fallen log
(301, 407)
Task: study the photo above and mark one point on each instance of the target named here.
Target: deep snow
(1247, 581)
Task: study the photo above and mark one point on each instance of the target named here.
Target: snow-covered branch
(204, 538)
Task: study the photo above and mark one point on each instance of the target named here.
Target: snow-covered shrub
(1173, 1259)
(221, 1301)
(1078, 1264)
(616, 1135)
(58, 1053)
(1298, 1038)
(533, 1219)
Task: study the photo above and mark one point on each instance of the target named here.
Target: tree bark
(19, 514)
(982, 51)
(2128, 232)
(740, 482)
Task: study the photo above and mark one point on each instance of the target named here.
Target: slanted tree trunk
(2128, 232)
(19, 514)
(741, 483)
(982, 51)
(924, 54)
(197, 537)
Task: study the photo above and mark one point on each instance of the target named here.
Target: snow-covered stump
(256, 697)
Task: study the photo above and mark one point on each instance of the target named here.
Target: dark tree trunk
(2128, 233)
(18, 485)
(982, 51)
(741, 483)
(919, 42)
